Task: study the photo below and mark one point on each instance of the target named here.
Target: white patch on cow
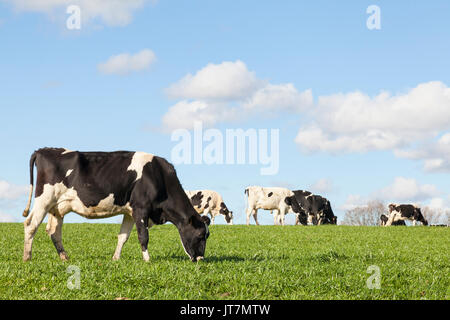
(67, 151)
(394, 216)
(185, 248)
(140, 159)
(69, 172)
(61, 200)
(145, 256)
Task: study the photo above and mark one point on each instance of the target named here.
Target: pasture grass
(241, 262)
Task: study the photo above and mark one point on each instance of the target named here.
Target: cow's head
(227, 213)
(296, 207)
(383, 219)
(392, 207)
(334, 220)
(326, 215)
(229, 217)
(293, 203)
(418, 216)
(193, 235)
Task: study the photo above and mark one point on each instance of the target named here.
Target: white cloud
(322, 186)
(111, 12)
(408, 124)
(10, 191)
(125, 63)
(353, 201)
(435, 154)
(355, 122)
(282, 97)
(406, 189)
(225, 81)
(184, 114)
(227, 92)
(401, 190)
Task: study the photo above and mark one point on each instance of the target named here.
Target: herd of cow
(308, 208)
(145, 189)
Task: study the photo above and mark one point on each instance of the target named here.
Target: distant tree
(365, 215)
(436, 215)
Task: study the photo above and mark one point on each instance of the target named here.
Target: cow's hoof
(63, 256)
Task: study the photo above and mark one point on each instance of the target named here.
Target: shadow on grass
(210, 258)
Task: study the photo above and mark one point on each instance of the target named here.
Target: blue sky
(348, 142)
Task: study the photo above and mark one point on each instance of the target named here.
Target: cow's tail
(32, 162)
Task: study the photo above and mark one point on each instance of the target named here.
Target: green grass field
(265, 262)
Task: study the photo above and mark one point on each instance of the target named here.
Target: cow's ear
(206, 220)
(288, 201)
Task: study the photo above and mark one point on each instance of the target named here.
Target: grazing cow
(267, 199)
(142, 187)
(210, 202)
(384, 219)
(311, 208)
(402, 212)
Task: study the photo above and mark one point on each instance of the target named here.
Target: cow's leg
(125, 230)
(248, 213)
(31, 225)
(206, 212)
(282, 214)
(414, 222)
(275, 217)
(54, 230)
(255, 216)
(141, 220)
(212, 218)
(391, 219)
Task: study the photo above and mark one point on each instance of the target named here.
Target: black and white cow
(210, 202)
(142, 187)
(384, 219)
(402, 212)
(311, 208)
(267, 199)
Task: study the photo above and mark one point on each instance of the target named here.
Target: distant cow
(311, 208)
(402, 212)
(142, 187)
(384, 219)
(267, 199)
(210, 202)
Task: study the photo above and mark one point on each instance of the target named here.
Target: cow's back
(204, 199)
(267, 198)
(93, 176)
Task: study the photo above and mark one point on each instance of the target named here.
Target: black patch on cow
(270, 194)
(223, 209)
(88, 178)
(196, 199)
